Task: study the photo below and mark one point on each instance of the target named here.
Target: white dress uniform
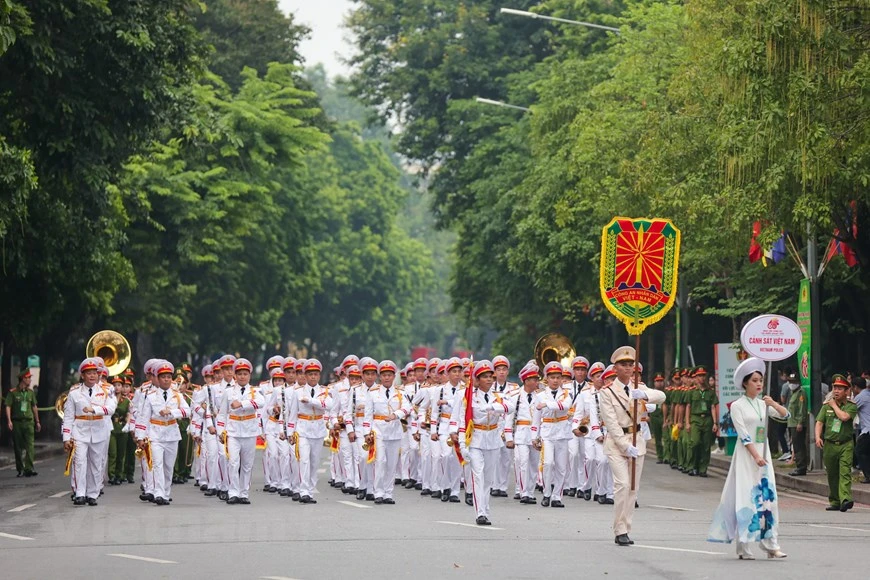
(276, 457)
(446, 464)
(555, 429)
(359, 472)
(90, 434)
(615, 403)
(385, 408)
(270, 479)
(484, 448)
(506, 391)
(305, 419)
(242, 428)
(598, 480)
(218, 472)
(576, 478)
(411, 454)
(281, 399)
(164, 434)
(336, 411)
(422, 402)
(136, 408)
(521, 429)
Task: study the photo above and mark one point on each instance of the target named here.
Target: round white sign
(771, 337)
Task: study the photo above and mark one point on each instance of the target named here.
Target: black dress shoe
(203, 487)
(607, 500)
(602, 499)
(630, 541)
(587, 495)
(693, 473)
(659, 462)
(93, 501)
(411, 484)
(83, 501)
(389, 501)
(832, 508)
(469, 500)
(847, 505)
(296, 496)
(445, 496)
(397, 481)
(418, 486)
(304, 499)
(539, 488)
(361, 494)
(331, 481)
(595, 497)
(622, 540)
(703, 474)
(284, 493)
(517, 496)
(379, 500)
(426, 492)
(345, 489)
(224, 495)
(18, 474)
(244, 501)
(483, 521)
(403, 482)
(435, 494)
(370, 497)
(210, 493)
(273, 489)
(493, 493)
(232, 500)
(130, 480)
(798, 472)
(571, 492)
(556, 503)
(30, 474)
(266, 487)
(454, 499)
(545, 502)
(160, 501)
(673, 466)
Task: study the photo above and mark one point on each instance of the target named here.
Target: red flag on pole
(469, 410)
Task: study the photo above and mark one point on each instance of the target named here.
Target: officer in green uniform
(130, 459)
(685, 396)
(656, 419)
(676, 419)
(798, 421)
(22, 418)
(119, 439)
(703, 423)
(184, 459)
(835, 436)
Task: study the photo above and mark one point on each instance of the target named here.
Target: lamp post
(502, 104)
(554, 19)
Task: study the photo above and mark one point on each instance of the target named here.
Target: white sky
(327, 41)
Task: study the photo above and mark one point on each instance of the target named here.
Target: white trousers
(482, 465)
(504, 466)
(427, 471)
(295, 476)
(385, 467)
(309, 460)
(86, 474)
(163, 455)
(363, 471)
(211, 449)
(599, 474)
(576, 463)
(527, 460)
(449, 467)
(555, 467)
(345, 455)
(623, 496)
(276, 458)
(240, 464)
(412, 459)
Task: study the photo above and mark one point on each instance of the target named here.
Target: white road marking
(21, 508)
(670, 507)
(14, 537)
(142, 558)
(356, 505)
(321, 471)
(61, 494)
(468, 525)
(277, 578)
(866, 531)
(679, 550)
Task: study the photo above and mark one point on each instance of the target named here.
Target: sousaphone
(554, 347)
(115, 351)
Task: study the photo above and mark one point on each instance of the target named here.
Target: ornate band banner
(639, 262)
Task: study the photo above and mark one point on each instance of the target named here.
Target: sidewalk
(814, 482)
(42, 450)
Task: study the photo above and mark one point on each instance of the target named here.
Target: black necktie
(164, 395)
(388, 393)
(486, 397)
(243, 391)
(90, 391)
(530, 398)
(312, 391)
(626, 390)
(453, 390)
(553, 393)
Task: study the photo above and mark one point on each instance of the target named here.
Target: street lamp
(501, 104)
(554, 19)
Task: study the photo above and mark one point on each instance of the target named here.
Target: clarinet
(438, 418)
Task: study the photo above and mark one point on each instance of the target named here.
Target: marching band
(565, 431)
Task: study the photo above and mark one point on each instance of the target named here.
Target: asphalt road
(42, 535)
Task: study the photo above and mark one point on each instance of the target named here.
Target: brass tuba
(59, 402)
(113, 348)
(554, 347)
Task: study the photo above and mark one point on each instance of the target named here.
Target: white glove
(650, 408)
(631, 451)
(639, 394)
(645, 432)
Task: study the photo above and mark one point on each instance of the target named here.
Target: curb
(42, 452)
(860, 492)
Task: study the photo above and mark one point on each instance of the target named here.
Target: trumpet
(584, 426)
(537, 444)
(369, 440)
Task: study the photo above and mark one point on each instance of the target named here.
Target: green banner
(804, 355)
